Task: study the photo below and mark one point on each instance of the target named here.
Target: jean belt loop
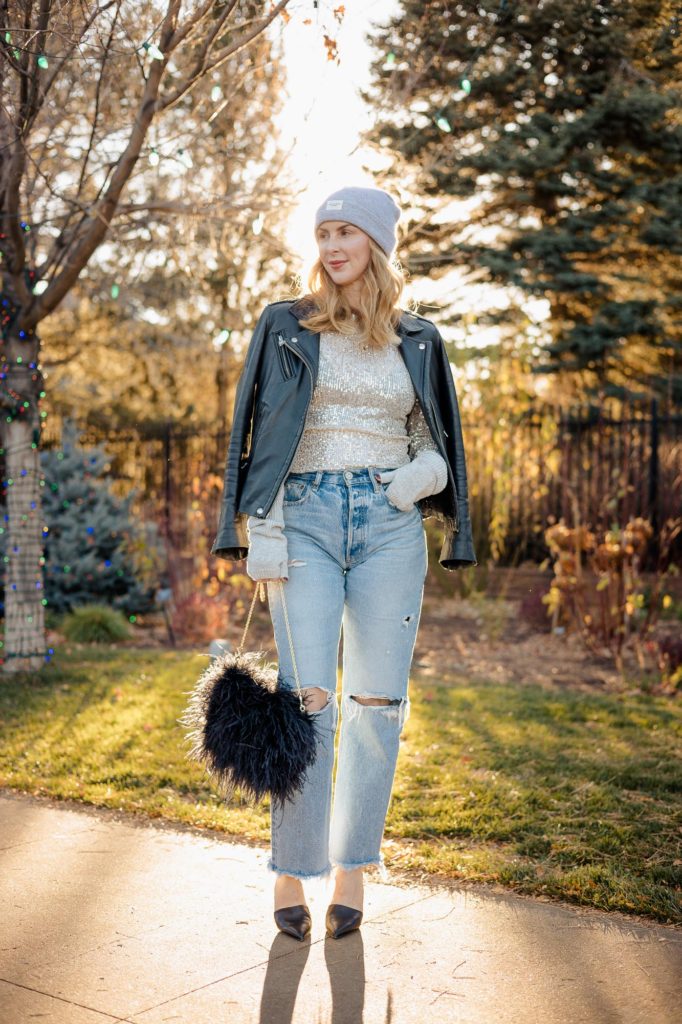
(318, 479)
(373, 471)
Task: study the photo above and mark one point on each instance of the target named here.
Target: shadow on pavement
(345, 961)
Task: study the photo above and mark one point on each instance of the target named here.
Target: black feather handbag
(250, 734)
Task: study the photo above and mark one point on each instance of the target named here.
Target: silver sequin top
(364, 411)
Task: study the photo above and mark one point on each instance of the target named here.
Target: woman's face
(344, 251)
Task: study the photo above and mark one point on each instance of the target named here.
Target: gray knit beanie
(371, 209)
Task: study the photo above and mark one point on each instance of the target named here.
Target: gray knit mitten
(267, 555)
(426, 474)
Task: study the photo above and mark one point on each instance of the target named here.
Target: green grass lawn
(544, 791)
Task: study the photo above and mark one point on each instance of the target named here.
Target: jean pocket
(395, 508)
(296, 491)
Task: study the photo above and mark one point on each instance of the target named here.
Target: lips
(337, 263)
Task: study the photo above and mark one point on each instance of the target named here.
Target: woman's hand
(267, 558)
(426, 474)
(267, 555)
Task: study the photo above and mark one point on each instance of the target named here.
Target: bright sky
(323, 117)
(323, 113)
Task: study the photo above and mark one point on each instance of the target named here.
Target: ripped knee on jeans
(392, 708)
(374, 701)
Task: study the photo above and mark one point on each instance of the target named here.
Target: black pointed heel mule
(340, 920)
(295, 921)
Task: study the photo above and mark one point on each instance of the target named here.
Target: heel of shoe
(341, 920)
(295, 921)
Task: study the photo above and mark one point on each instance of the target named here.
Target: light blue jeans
(357, 562)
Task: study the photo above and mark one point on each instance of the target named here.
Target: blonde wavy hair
(378, 309)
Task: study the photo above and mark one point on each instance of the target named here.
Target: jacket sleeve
(231, 540)
(458, 548)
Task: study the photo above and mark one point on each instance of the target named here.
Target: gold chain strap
(260, 590)
(291, 648)
(256, 592)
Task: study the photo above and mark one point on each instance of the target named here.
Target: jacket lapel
(414, 350)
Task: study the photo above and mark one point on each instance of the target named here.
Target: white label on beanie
(334, 204)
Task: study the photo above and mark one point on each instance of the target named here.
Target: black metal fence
(597, 466)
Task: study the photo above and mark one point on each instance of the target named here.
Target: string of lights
(22, 563)
(17, 49)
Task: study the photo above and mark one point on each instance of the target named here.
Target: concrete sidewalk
(107, 918)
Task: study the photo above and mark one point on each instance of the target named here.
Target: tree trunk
(24, 647)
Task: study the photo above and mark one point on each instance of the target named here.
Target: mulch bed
(461, 640)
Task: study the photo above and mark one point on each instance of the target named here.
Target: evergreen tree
(90, 534)
(559, 122)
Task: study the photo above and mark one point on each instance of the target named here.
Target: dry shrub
(599, 591)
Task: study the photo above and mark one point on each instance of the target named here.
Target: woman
(352, 420)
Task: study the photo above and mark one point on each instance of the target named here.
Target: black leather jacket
(271, 403)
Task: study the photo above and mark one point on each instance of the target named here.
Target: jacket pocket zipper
(284, 357)
(437, 424)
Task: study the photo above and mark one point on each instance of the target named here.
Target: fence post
(167, 477)
(653, 468)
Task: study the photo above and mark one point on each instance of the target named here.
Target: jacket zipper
(284, 357)
(301, 424)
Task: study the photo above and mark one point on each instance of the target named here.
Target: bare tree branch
(195, 209)
(77, 242)
(201, 67)
(100, 218)
(98, 91)
(193, 23)
(76, 43)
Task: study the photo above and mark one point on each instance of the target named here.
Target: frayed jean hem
(376, 862)
(303, 875)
